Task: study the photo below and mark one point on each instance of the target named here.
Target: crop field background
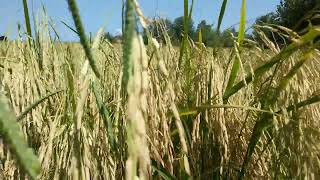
(101, 110)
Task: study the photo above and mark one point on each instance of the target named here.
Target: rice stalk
(83, 39)
(266, 121)
(27, 18)
(136, 81)
(184, 45)
(237, 62)
(221, 14)
(137, 108)
(186, 129)
(127, 47)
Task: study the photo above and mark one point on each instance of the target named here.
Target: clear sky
(98, 13)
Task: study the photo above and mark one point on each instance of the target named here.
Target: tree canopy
(293, 14)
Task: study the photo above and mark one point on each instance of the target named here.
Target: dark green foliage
(112, 38)
(208, 34)
(293, 14)
(178, 26)
(161, 171)
(175, 29)
(225, 38)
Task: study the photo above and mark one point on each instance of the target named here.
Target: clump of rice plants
(133, 111)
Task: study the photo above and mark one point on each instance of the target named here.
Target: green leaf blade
(221, 15)
(11, 132)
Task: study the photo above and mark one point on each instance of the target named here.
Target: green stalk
(311, 100)
(236, 63)
(191, 10)
(81, 32)
(242, 25)
(222, 10)
(27, 18)
(183, 48)
(127, 46)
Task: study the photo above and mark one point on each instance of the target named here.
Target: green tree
(208, 34)
(226, 39)
(177, 29)
(295, 14)
(212, 38)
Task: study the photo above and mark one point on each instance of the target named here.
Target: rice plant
(102, 110)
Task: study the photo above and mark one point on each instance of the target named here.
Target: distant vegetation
(210, 36)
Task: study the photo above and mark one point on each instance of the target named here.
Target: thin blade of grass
(222, 10)
(183, 48)
(311, 100)
(104, 113)
(27, 18)
(237, 61)
(35, 104)
(83, 39)
(69, 27)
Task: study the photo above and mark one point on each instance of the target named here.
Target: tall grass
(159, 112)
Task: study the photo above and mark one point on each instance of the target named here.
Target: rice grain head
(137, 111)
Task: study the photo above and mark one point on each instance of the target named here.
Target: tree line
(174, 29)
(296, 15)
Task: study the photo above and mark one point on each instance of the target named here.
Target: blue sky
(107, 13)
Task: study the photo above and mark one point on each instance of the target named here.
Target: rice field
(97, 110)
